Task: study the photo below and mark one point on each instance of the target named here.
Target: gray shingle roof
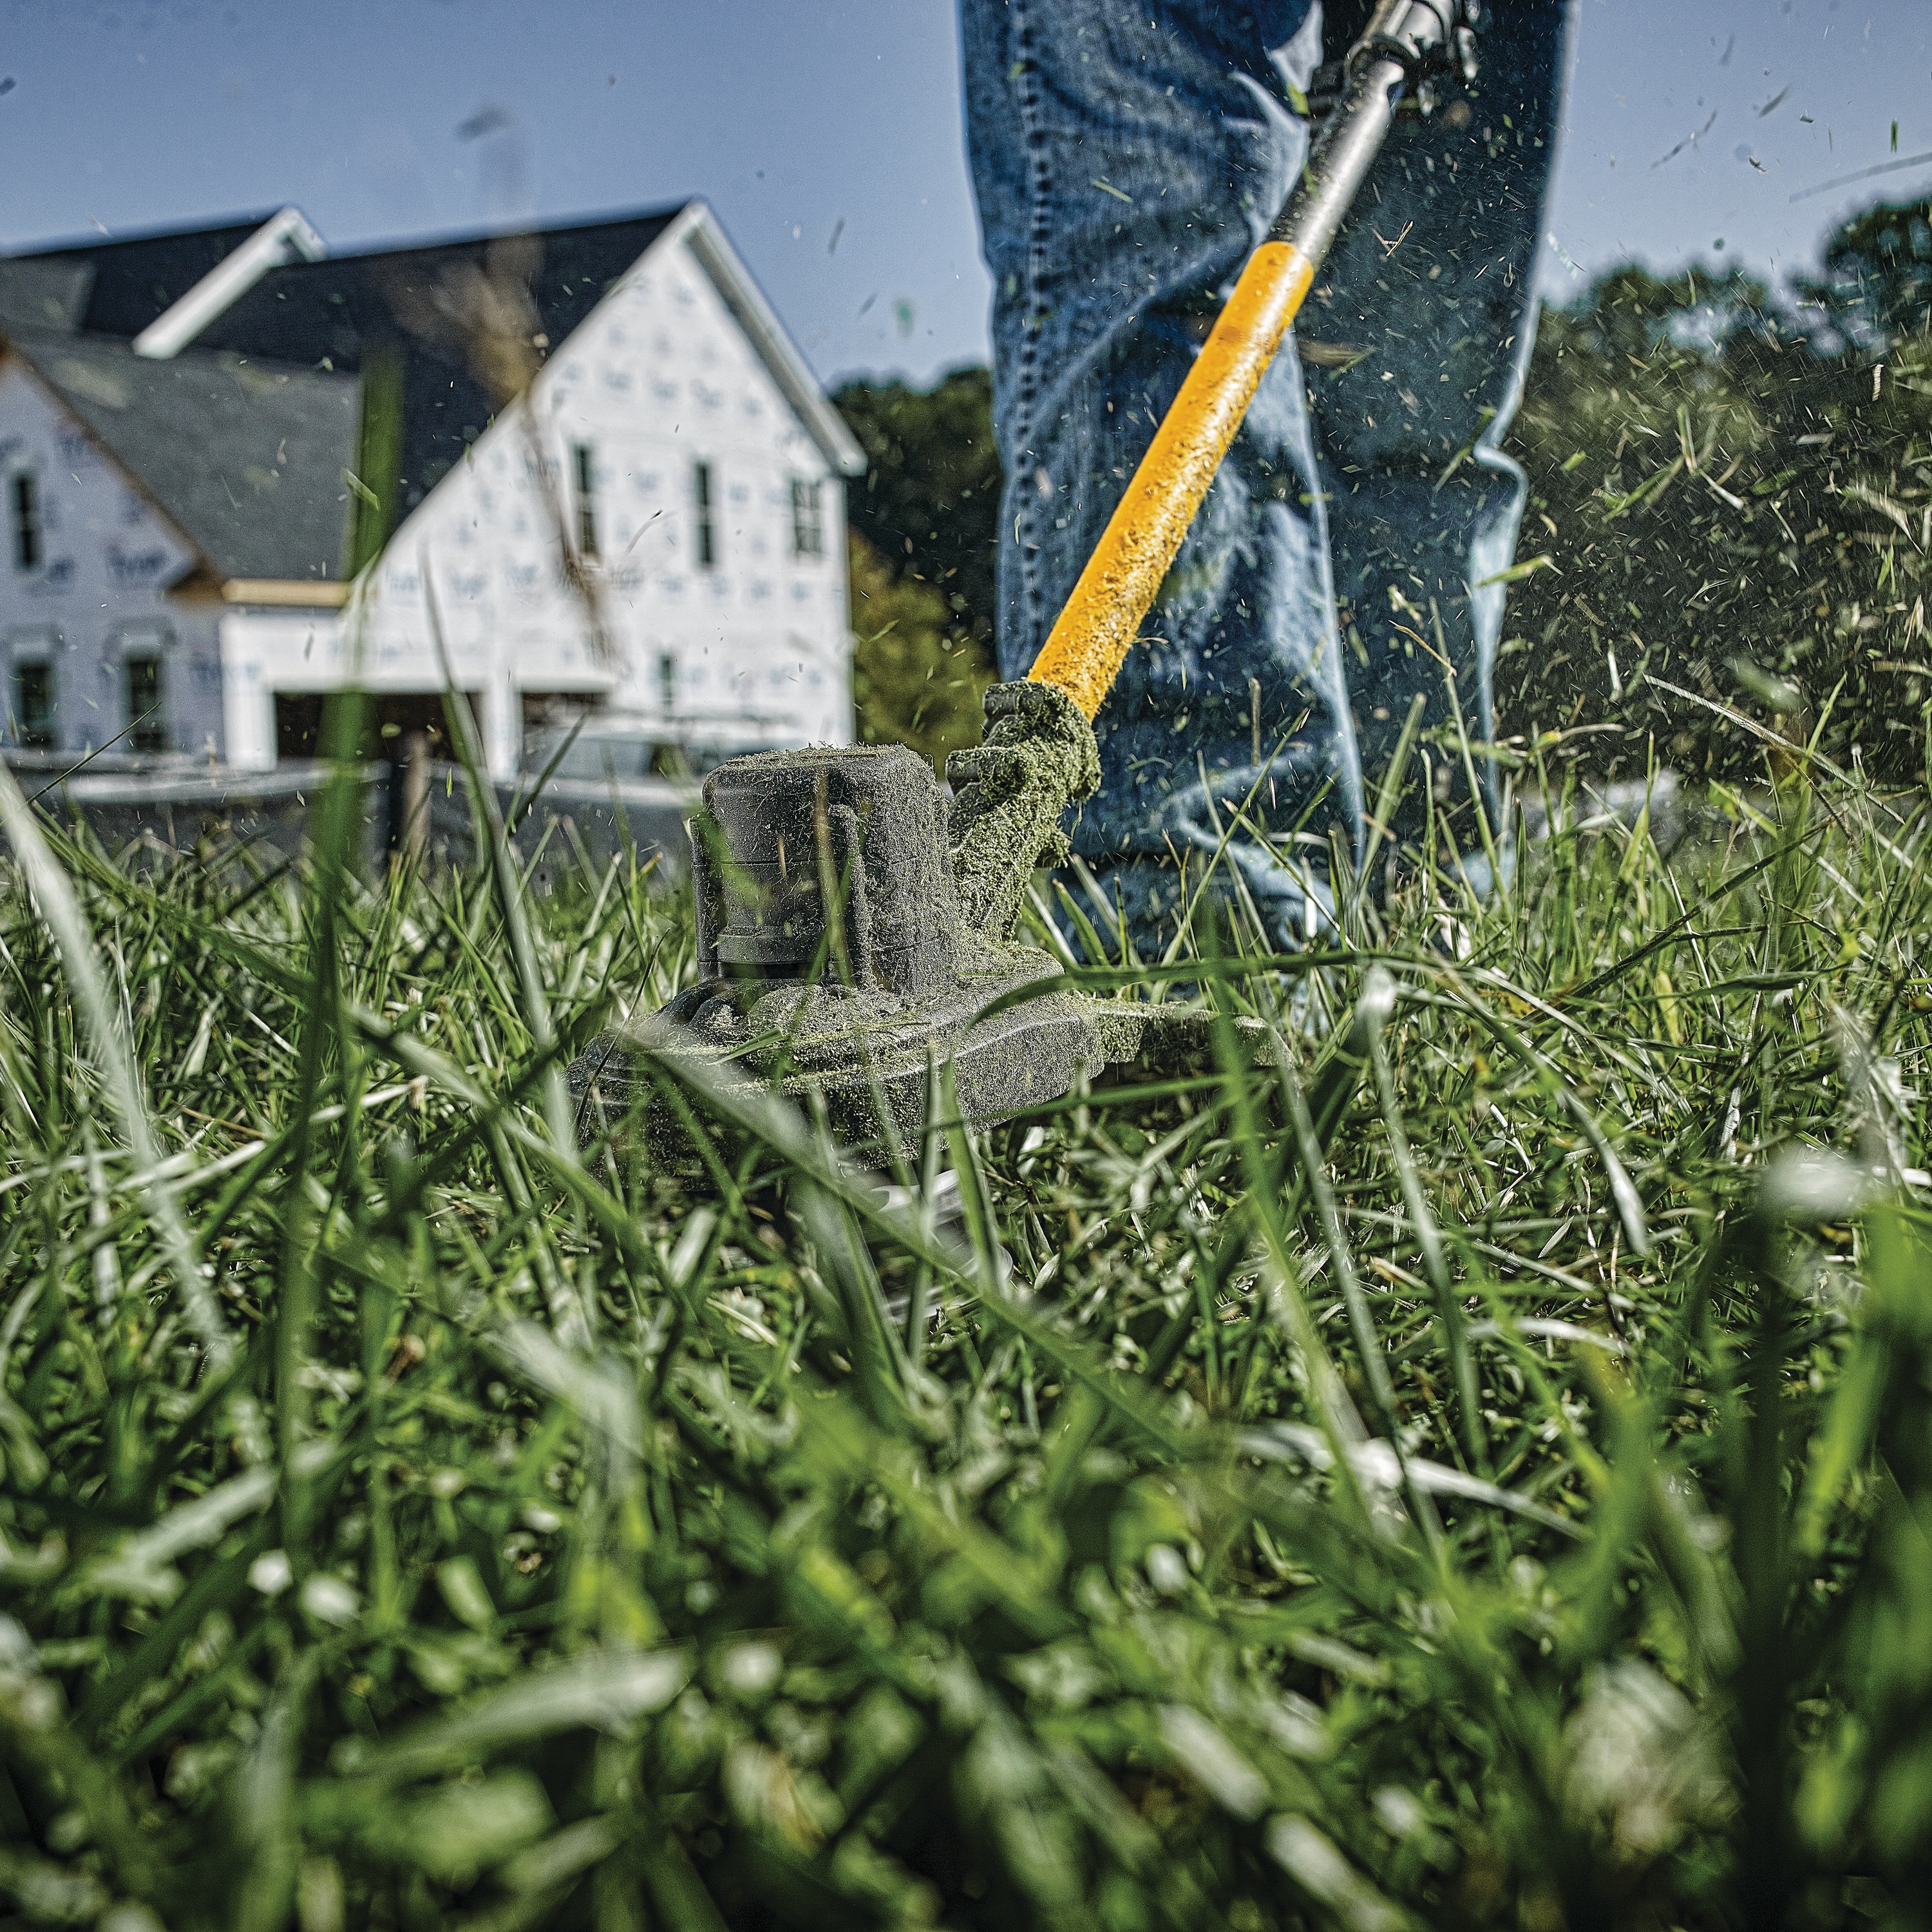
(245, 456)
(43, 294)
(242, 439)
(280, 371)
(401, 300)
(131, 278)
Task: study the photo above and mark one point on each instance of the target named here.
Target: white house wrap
(652, 528)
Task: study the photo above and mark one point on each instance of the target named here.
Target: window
(587, 500)
(145, 650)
(667, 682)
(33, 719)
(147, 721)
(808, 521)
(32, 688)
(24, 499)
(704, 496)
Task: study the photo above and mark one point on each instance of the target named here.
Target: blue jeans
(1127, 155)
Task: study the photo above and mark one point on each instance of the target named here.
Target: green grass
(1516, 1514)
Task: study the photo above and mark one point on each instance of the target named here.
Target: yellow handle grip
(1092, 635)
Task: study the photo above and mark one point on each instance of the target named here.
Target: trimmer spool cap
(863, 823)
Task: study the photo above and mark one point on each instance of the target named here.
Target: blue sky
(826, 133)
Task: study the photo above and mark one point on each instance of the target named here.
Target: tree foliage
(924, 597)
(1877, 282)
(1735, 507)
(917, 678)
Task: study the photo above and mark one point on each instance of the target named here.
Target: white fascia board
(286, 237)
(697, 229)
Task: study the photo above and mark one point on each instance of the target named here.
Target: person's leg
(1432, 282)
(1126, 161)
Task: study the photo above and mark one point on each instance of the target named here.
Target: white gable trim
(696, 227)
(285, 237)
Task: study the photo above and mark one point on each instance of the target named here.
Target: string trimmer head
(853, 932)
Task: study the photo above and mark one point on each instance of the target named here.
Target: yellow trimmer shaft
(1091, 636)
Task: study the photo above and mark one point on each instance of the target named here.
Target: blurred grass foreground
(1470, 1466)
(1467, 1463)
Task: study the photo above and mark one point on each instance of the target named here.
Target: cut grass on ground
(1473, 1467)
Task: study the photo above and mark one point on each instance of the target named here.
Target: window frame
(26, 521)
(583, 479)
(37, 646)
(704, 504)
(808, 516)
(141, 643)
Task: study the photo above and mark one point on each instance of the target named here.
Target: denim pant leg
(1126, 160)
(1432, 281)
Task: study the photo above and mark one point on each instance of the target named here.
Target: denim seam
(1027, 388)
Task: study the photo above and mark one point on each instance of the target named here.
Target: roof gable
(243, 437)
(767, 335)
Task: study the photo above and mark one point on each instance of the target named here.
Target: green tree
(1877, 288)
(917, 679)
(1735, 509)
(925, 519)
